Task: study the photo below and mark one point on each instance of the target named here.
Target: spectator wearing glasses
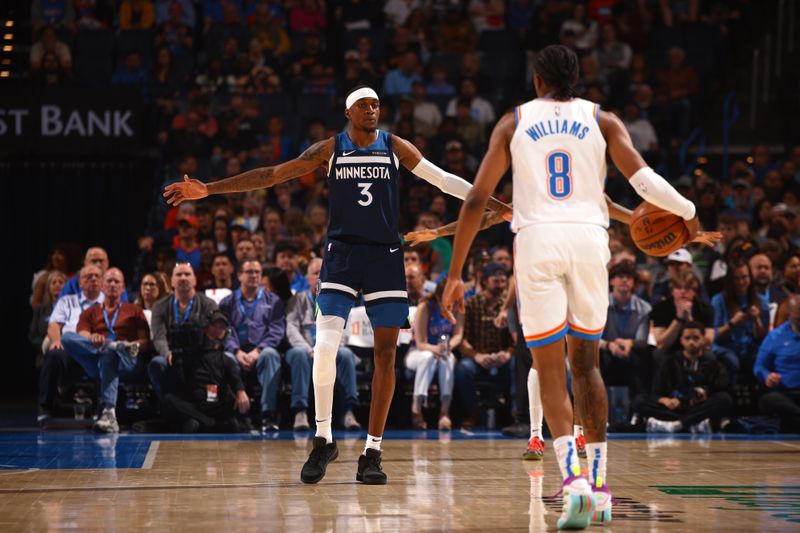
(258, 324)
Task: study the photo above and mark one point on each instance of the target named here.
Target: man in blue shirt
(258, 323)
(778, 369)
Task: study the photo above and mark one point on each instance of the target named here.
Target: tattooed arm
(490, 218)
(315, 156)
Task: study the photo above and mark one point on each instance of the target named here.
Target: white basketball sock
(535, 403)
(567, 456)
(596, 454)
(373, 443)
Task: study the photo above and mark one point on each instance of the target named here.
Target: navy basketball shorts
(375, 270)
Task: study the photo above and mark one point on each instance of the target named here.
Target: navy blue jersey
(363, 182)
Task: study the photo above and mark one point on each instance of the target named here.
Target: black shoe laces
(374, 462)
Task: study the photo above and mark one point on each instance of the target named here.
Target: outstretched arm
(489, 219)
(412, 159)
(315, 156)
(493, 166)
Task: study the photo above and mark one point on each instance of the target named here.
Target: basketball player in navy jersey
(363, 254)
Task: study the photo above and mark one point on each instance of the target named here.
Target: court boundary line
(150, 458)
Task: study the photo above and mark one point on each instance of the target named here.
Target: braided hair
(557, 65)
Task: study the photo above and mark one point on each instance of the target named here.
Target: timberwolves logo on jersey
(363, 191)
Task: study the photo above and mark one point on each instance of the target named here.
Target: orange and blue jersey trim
(517, 115)
(547, 337)
(596, 112)
(586, 334)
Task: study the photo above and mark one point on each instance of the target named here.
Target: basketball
(657, 232)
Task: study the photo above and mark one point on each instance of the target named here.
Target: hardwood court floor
(79, 481)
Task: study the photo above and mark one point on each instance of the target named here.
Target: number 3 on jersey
(365, 193)
(559, 175)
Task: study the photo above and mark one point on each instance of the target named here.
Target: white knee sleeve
(329, 335)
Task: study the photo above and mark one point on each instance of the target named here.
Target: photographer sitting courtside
(210, 390)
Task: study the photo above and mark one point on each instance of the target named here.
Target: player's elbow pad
(446, 182)
(658, 192)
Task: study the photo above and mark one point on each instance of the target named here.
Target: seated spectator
(223, 240)
(670, 315)
(612, 56)
(427, 117)
(183, 307)
(433, 357)
(59, 15)
(49, 42)
(92, 14)
(286, 259)
(469, 129)
(301, 331)
(245, 250)
(132, 74)
(790, 284)
(60, 258)
(398, 81)
(270, 33)
(457, 35)
(222, 272)
(51, 75)
(682, 84)
(187, 249)
(226, 25)
(176, 30)
(485, 349)
(153, 287)
(677, 262)
(761, 269)
(53, 283)
(136, 15)
(94, 256)
(411, 257)
(57, 366)
(415, 283)
(640, 129)
(207, 253)
(107, 345)
(258, 325)
(480, 108)
(741, 320)
(584, 28)
(624, 354)
(689, 392)
(210, 391)
(439, 87)
(777, 368)
(307, 17)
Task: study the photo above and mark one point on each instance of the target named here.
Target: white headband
(364, 92)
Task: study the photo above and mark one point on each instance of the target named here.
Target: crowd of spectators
(235, 84)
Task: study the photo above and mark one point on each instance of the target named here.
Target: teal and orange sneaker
(580, 444)
(535, 451)
(579, 503)
(603, 501)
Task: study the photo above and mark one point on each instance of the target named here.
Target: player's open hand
(418, 237)
(453, 297)
(177, 193)
(709, 238)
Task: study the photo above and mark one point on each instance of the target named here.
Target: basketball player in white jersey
(556, 145)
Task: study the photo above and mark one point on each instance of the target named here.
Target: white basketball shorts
(562, 281)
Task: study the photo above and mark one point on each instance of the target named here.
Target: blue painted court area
(86, 450)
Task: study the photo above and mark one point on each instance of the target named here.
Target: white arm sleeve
(658, 192)
(446, 182)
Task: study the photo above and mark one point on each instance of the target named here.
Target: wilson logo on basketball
(667, 239)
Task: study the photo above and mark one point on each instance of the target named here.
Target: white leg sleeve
(329, 335)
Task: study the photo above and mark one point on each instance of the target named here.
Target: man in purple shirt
(258, 324)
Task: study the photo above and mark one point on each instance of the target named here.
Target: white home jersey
(558, 157)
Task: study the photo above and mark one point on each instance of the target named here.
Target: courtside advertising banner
(70, 122)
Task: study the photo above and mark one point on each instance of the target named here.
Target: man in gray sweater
(301, 332)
